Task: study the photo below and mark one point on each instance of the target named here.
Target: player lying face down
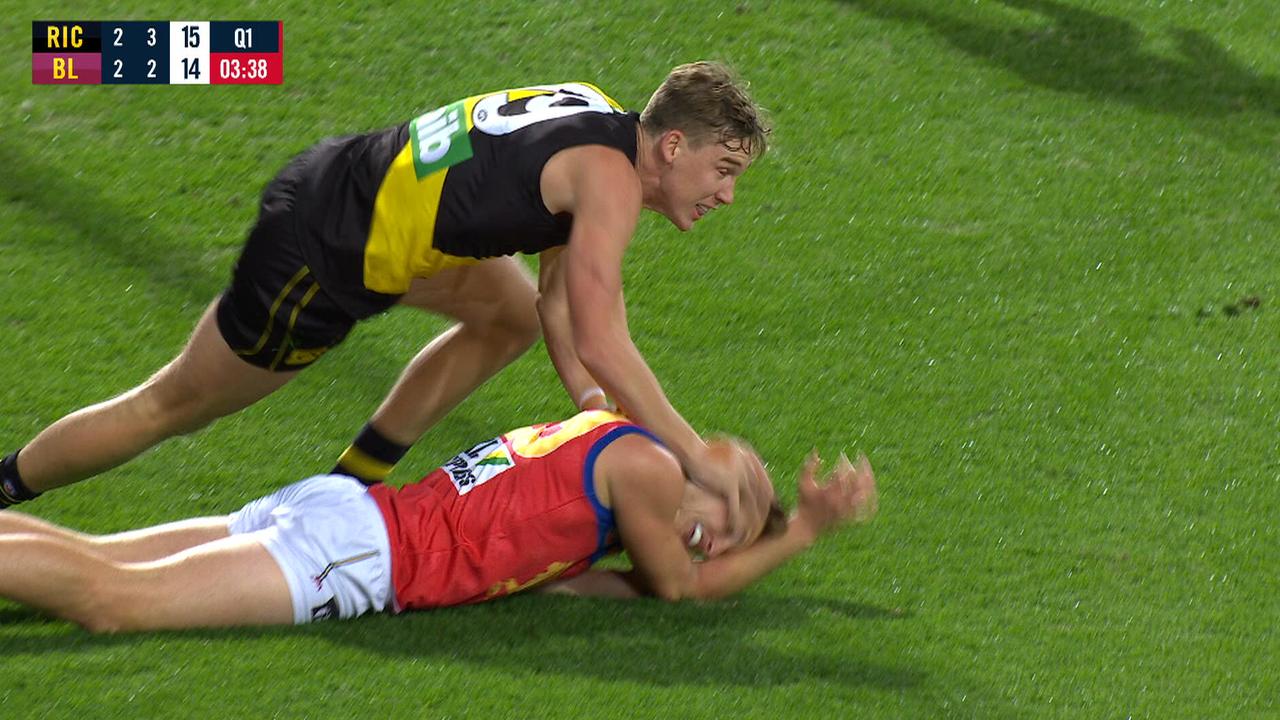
(533, 508)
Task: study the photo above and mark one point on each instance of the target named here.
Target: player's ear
(671, 143)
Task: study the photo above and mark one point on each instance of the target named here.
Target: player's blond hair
(707, 102)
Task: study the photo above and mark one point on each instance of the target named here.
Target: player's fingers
(870, 496)
(738, 515)
(843, 484)
(807, 485)
(844, 463)
(761, 490)
(812, 463)
(840, 474)
(733, 495)
(753, 494)
(864, 470)
(845, 473)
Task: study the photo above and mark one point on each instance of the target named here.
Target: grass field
(1008, 249)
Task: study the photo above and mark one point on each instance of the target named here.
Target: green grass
(999, 246)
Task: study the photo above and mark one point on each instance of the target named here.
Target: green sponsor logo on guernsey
(439, 139)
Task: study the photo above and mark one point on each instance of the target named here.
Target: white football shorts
(328, 537)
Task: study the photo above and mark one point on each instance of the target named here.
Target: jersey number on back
(511, 110)
(441, 139)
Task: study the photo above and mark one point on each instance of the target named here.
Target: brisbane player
(531, 509)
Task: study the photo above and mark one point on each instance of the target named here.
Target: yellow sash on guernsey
(541, 440)
(404, 220)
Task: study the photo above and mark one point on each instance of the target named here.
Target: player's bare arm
(553, 313)
(600, 187)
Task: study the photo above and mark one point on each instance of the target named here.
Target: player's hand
(848, 494)
(733, 470)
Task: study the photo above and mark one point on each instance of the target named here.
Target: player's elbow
(704, 587)
(680, 594)
(101, 625)
(670, 594)
(676, 589)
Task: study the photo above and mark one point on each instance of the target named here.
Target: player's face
(703, 522)
(700, 178)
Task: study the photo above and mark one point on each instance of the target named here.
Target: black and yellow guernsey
(451, 187)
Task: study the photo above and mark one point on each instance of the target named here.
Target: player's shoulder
(637, 464)
(590, 174)
(641, 448)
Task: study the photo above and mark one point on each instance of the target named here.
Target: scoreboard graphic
(142, 52)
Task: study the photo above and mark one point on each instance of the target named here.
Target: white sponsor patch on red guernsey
(480, 464)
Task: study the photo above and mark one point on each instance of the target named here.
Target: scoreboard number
(119, 73)
(190, 36)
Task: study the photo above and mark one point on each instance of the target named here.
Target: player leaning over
(428, 214)
(532, 508)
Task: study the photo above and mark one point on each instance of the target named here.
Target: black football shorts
(274, 314)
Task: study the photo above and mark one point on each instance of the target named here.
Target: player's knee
(508, 330)
(172, 405)
(106, 607)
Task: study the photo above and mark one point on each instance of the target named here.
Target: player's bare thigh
(496, 291)
(157, 542)
(206, 381)
(140, 545)
(227, 582)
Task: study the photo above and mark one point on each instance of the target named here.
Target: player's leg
(232, 581)
(160, 541)
(141, 545)
(495, 304)
(205, 382)
(270, 323)
(16, 523)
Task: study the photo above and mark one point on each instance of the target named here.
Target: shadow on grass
(720, 644)
(92, 223)
(1089, 53)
